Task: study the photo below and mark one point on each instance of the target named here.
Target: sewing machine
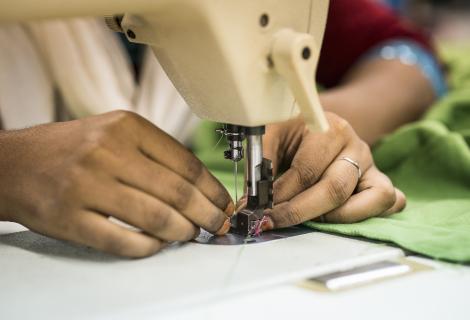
(247, 64)
(240, 62)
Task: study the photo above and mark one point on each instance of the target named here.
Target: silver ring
(354, 163)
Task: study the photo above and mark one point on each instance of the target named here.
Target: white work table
(46, 278)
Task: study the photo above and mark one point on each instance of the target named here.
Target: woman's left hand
(322, 181)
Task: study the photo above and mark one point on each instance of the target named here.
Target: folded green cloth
(428, 160)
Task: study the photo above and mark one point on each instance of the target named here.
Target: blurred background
(447, 20)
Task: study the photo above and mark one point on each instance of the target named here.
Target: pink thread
(257, 229)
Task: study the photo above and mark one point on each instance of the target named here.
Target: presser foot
(248, 223)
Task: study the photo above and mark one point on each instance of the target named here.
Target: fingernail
(241, 204)
(224, 229)
(197, 233)
(268, 224)
(230, 209)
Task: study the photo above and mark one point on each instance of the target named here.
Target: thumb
(271, 150)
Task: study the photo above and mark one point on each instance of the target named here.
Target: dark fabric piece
(136, 54)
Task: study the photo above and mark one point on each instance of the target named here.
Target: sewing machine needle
(235, 169)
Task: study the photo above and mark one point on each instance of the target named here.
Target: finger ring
(354, 163)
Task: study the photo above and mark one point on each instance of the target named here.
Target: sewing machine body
(218, 53)
(221, 55)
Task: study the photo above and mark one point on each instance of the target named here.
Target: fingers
(376, 196)
(151, 161)
(399, 205)
(94, 230)
(170, 188)
(300, 177)
(316, 152)
(241, 203)
(145, 212)
(165, 150)
(335, 187)
(281, 141)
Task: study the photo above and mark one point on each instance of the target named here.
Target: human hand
(318, 183)
(65, 179)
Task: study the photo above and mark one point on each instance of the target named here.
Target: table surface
(81, 283)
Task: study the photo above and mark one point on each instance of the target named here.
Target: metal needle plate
(236, 239)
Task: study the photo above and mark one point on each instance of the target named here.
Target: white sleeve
(159, 101)
(26, 89)
(87, 63)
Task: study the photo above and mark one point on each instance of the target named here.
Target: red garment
(355, 26)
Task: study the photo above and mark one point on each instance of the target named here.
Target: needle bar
(236, 181)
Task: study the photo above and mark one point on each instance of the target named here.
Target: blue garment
(397, 5)
(410, 53)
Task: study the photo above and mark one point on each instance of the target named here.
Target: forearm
(11, 143)
(380, 95)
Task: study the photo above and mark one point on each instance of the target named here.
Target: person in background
(66, 179)
(381, 70)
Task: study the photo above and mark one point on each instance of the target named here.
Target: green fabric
(428, 160)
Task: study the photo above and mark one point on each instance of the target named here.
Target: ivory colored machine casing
(238, 61)
(234, 61)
